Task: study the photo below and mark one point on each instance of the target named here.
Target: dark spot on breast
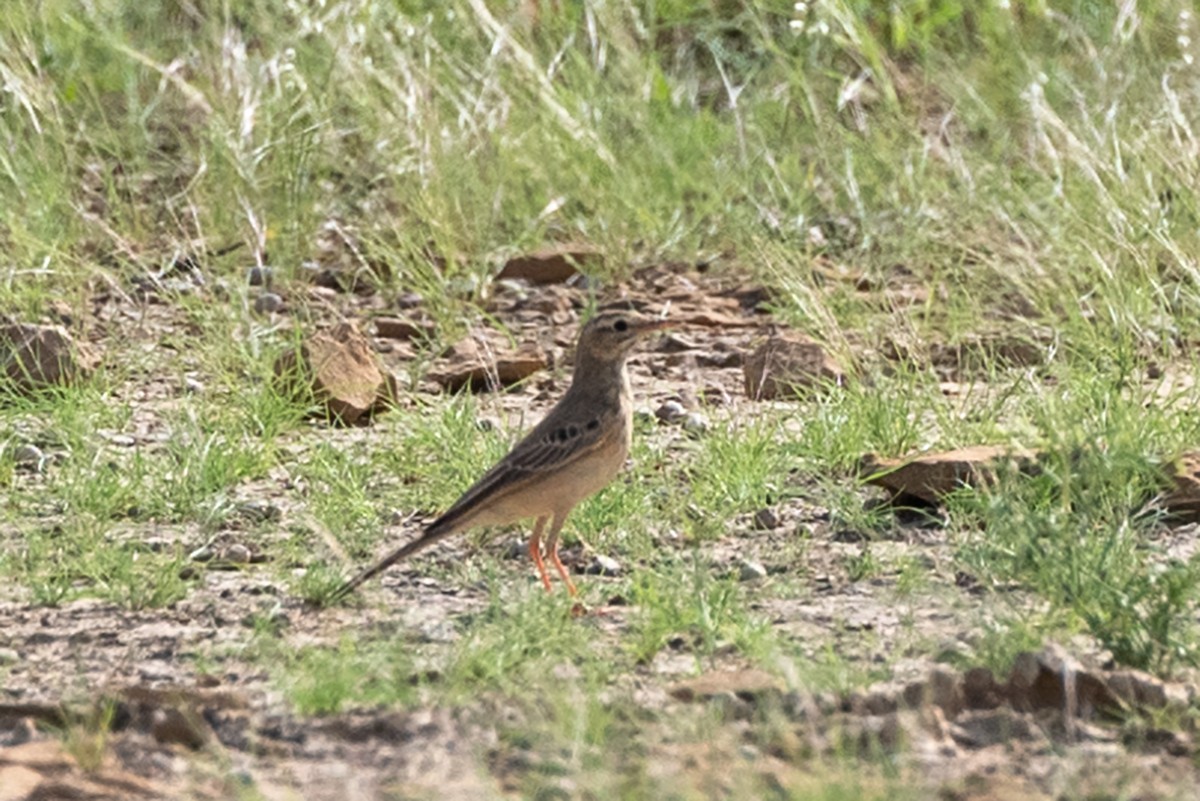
(561, 435)
(573, 431)
(593, 425)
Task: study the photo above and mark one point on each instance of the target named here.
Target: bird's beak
(651, 326)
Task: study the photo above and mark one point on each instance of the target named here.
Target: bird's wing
(552, 445)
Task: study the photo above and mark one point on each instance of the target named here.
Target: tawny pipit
(576, 450)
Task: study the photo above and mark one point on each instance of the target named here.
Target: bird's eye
(620, 325)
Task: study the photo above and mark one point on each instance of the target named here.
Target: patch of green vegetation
(321, 680)
(1081, 531)
(685, 605)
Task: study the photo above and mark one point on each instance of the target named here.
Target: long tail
(435, 532)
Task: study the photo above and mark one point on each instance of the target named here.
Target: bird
(575, 451)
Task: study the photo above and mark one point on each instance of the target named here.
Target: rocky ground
(189, 712)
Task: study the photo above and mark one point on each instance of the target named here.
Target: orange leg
(552, 547)
(535, 551)
(562, 571)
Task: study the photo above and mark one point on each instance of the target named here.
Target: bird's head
(611, 335)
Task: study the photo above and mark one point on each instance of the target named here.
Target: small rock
(193, 386)
(468, 364)
(749, 570)
(1142, 690)
(29, 456)
(980, 690)
(602, 565)
(931, 477)
(171, 725)
(36, 356)
(118, 439)
(236, 554)
(9, 656)
(399, 328)
(552, 265)
(342, 372)
(695, 423)
(670, 411)
(259, 511)
(268, 303)
(766, 519)
(879, 700)
(788, 365)
(1053, 679)
(992, 727)
(204, 553)
(259, 276)
(409, 300)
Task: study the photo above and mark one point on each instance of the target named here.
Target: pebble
(695, 423)
(602, 565)
(766, 519)
(193, 386)
(237, 554)
(120, 440)
(202, 554)
(409, 300)
(671, 411)
(29, 456)
(267, 303)
(259, 276)
(9, 656)
(259, 511)
(749, 570)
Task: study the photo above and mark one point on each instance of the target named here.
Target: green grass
(1006, 189)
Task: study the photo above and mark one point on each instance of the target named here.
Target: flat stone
(399, 328)
(342, 372)
(933, 476)
(789, 365)
(550, 265)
